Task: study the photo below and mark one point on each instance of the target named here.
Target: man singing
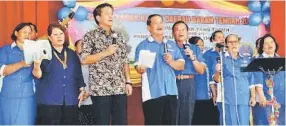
(109, 80)
(159, 90)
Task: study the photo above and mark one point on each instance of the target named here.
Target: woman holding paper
(61, 83)
(271, 91)
(17, 102)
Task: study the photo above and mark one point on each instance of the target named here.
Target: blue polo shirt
(58, 85)
(237, 84)
(20, 83)
(279, 83)
(189, 67)
(210, 59)
(161, 79)
(202, 85)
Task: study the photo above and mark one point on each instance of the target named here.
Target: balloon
(81, 14)
(266, 18)
(69, 3)
(255, 19)
(182, 1)
(63, 13)
(167, 2)
(254, 6)
(265, 6)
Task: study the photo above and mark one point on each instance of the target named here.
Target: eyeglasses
(233, 42)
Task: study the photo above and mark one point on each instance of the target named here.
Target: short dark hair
(18, 28)
(226, 38)
(62, 28)
(151, 16)
(180, 22)
(260, 50)
(194, 40)
(76, 42)
(35, 27)
(257, 42)
(214, 34)
(98, 10)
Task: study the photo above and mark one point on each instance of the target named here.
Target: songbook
(37, 49)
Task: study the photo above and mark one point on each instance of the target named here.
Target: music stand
(266, 65)
(269, 66)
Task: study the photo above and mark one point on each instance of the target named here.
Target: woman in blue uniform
(204, 107)
(239, 91)
(263, 113)
(17, 96)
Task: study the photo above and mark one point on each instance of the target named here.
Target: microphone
(73, 11)
(219, 45)
(218, 59)
(165, 47)
(70, 16)
(114, 41)
(114, 36)
(185, 47)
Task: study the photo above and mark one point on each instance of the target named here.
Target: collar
(59, 53)
(151, 39)
(226, 54)
(13, 45)
(103, 31)
(267, 56)
(213, 49)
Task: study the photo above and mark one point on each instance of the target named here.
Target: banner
(132, 23)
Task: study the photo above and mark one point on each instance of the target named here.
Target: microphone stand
(222, 85)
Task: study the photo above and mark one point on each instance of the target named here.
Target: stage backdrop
(132, 23)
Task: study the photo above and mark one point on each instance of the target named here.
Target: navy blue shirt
(58, 85)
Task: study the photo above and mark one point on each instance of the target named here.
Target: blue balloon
(69, 3)
(63, 13)
(266, 18)
(265, 6)
(81, 14)
(254, 6)
(255, 19)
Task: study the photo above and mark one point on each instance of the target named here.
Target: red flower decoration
(277, 106)
(277, 114)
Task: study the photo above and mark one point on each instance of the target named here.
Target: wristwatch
(195, 58)
(128, 82)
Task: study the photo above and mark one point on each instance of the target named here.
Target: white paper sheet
(146, 58)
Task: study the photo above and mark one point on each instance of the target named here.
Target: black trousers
(205, 113)
(160, 111)
(85, 115)
(106, 107)
(57, 114)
